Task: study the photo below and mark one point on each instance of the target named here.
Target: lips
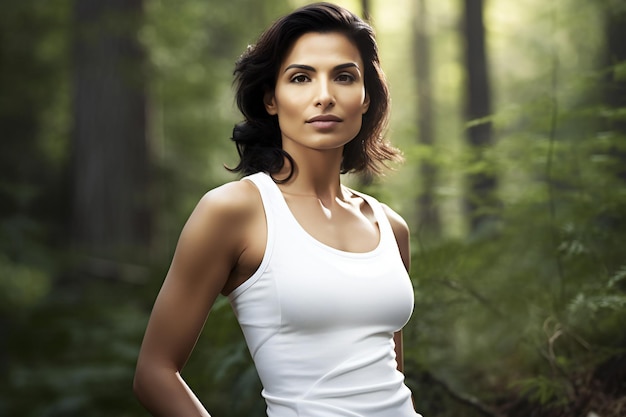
(324, 121)
(324, 118)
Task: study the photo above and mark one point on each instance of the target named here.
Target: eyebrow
(312, 69)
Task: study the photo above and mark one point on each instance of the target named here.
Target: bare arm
(208, 250)
(401, 232)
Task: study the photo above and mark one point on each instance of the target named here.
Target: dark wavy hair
(258, 137)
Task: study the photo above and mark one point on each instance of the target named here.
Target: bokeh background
(115, 118)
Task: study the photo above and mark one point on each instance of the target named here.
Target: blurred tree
(20, 110)
(32, 125)
(365, 10)
(480, 199)
(428, 218)
(31, 157)
(365, 179)
(111, 159)
(615, 91)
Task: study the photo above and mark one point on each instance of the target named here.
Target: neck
(316, 174)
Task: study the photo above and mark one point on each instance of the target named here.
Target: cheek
(290, 104)
(358, 101)
(289, 114)
(357, 105)
(355, 122)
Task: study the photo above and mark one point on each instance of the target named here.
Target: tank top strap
(386, 231)
(265, 184)
(276, 210)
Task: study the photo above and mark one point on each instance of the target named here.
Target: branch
(461, 398)
(467, 400)
(455, 285)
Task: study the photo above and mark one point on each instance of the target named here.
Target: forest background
(115, 118)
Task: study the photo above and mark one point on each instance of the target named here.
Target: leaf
(618, 277)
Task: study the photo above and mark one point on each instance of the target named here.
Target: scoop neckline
(285, 207)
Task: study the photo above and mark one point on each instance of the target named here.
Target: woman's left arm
(401, 232)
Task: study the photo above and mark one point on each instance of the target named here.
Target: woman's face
(320, 93)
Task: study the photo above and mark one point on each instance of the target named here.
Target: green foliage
(518, 308)
(21, 286)
(543, 390)
(529, 312)
(74, 352)
(33, 112)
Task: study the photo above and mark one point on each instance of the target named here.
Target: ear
(366, 103)
(269, 101)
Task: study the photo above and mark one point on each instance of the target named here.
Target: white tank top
(319, 321)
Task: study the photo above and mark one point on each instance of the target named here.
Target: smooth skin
(319, 99)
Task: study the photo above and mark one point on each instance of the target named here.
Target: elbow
(137, 384)
(150, 382)
(140, 383)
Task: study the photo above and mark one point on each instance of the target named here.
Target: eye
(299, 78)
(345, 78)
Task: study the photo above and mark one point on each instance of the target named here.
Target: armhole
(257, 181)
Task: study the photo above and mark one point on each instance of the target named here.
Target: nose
(325, 97)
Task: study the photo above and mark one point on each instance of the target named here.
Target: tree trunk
(110, 150)
(615, 93)
(366, 12)
(428, 219)
(480, 201)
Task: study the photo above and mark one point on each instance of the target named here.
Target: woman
(315, 272)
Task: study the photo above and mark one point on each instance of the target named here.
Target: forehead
(322, 48)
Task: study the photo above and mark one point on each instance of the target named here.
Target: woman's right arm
(208, 249)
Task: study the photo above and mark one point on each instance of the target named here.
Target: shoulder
(232, 199)
(401, 232)
(224, 210)
(398, 224)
